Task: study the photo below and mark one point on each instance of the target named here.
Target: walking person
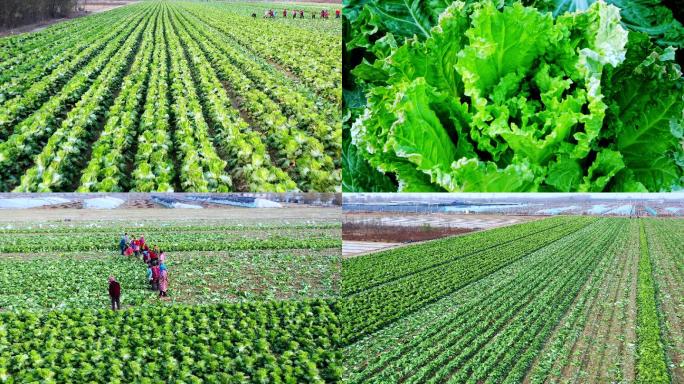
(123, 243)
(135, 244)
(154, 275)
(115, 293)
(154, 254)
(163, 280)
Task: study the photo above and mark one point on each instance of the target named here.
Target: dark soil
(396, 233)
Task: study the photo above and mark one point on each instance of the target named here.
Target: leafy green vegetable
(510, 99)
(648, 16)
(645, 100)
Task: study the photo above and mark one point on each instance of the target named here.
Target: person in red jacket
(115, 293)
(156, 274)
(337, 13)
(154, 253)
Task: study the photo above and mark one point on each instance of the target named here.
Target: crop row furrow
(395, 299)
(246, 153)
(365, 272)
(14, 110)
(105, 171)
(298, 152)
(201, 169)
(478, 341)
(55, 166)
(33, 67)
(318, 117)
(30, 135)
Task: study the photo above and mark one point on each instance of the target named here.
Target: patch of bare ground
(291, 75)
(396, 234)
(670, 299)
(237, 102)
(39, 26)
(101, 6)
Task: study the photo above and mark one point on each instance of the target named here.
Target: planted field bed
(171, 96)
(246, 303)
(563, 299)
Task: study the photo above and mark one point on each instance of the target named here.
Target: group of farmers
(324, 14)
(154, 258)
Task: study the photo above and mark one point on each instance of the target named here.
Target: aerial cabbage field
(264, 310)
(172, 96)
(503, 96)
(562, 299)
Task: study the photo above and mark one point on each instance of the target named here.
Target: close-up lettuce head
(509, 98)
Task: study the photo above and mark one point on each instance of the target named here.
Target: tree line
(14, 13)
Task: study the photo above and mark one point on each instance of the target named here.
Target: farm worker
(162, 256)
(163, 280)
(155, 276)
(301, 13)
(123, 243)
(129, 251)
(322, 13)
(142, 240)
(294, 13)
(285, 12)
(337, 13)
(254, 15)
(267, 14)
(154, 254)
(135, 244)
(313, 15)
(115, 293)
(149, 274)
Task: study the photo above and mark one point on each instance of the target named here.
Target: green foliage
(64, 266)
(507, 98)
(219, 112)
(384, 298)
(651, 366)
(273, 341)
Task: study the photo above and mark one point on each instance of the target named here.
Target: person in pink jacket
(163, 280)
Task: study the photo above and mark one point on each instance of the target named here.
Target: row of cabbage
(202, 241)
(89, 227)
(214, 117)
(279, 342)
(365, 272)
(394, 299)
